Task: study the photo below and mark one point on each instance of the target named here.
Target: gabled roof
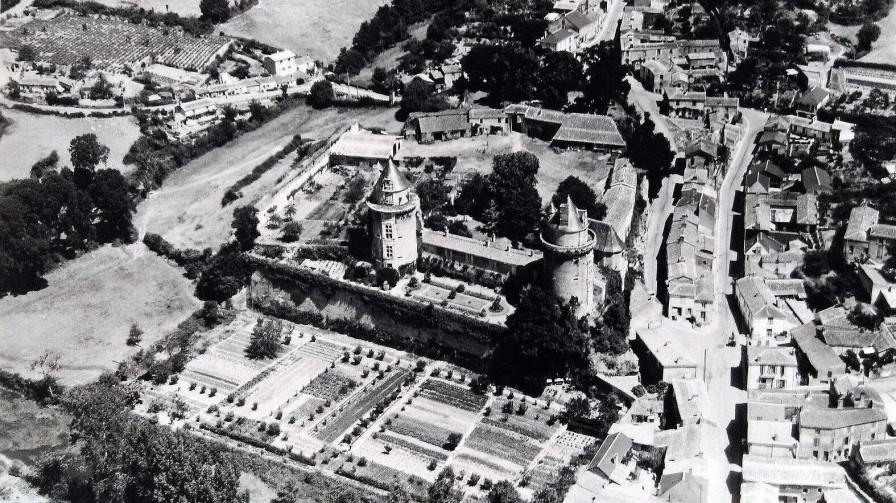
(861, 219)
(281, 55)
(878, 451)
(702, 148)
(443, 122)
(814, 97)
(840, 418)
(771, 355)
(606, 239)
(773, 137)
(683, 487)
(816, 180)
(578, 19)
(792, 472)
(558, 36)
(615, 446)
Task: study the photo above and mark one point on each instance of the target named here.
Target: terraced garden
(66, 39)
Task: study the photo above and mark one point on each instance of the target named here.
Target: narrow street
(721, 364)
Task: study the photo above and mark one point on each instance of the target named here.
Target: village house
(38, 87)
(663, 357)
(810, 102)
(831, 433)
(697, 105)
(192, 117)
(771, 367)
(561, 40)
(865, 239)
(793, 480)
(427, 127)
(488, 121)
(767, 312)
(610, 460)
(689, 256)
(852, 78)
(816, 181)
(284, 63)
(875, 453)
(818, 363)
(881, 291)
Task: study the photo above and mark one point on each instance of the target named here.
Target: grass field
(884, 49)
(30, 138)
(86, 311)
(187, 209)
(316, 27)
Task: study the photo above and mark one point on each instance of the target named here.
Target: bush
(321, 95)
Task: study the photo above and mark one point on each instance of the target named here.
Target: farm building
(567, 130)
(427, 127)
(360, 146)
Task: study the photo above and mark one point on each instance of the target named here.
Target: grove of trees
(60, 213)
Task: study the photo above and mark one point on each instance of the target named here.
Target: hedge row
(233, 193)
(68, 115)
(254, 442)
(192, 25)
(44, 391)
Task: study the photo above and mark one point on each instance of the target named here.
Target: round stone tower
(395, 221)
(569, 256)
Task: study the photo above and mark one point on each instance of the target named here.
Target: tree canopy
(543, 341)
(245, 226)
(582, 195)
(216, 11)
(321, 94)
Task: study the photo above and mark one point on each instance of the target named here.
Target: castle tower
(569, 256)
(395, 221)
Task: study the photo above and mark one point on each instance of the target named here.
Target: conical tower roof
(569, 220)
(391, 181)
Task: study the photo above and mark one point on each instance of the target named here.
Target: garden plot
(461, 301)
(557, 455)
(109, 41)
(362, 402)
(289, 375)
(225, 365)
(408, 461)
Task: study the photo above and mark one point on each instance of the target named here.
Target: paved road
(721, 364)
(646, 103)
(660, 211)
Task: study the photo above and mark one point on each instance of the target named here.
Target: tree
(417, 97)
(505, 72)
(265, 340)
(291, 232)
(867, 35)
(432, 193)
(582, 195)
(443, 490)
(321, 95)
(512, 183)
(474, 197)
(560, 74)
(398, 494)
(224, 275)
(26, 53)
(604, 77)
(543, 340)
(86, 153)
(134, 335)
(124, 458)
(503, 492)
(216, 11)
(47, 163)
(651, 152)
(245, 226)
(113, 206)
(453, 441)
(815, 263)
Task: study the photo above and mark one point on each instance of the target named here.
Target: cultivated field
(187, 209)
(86, 311)
(477, 154)
(27, 139)
(365, 411)
(66, 39)
(180, 7)
(316, 27)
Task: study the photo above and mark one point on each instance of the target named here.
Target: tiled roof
(840, 418)
(480, 248)
(814, 97)
(558, 36)
(487, 113)
(442, 122)
(885, 231)
(816, 180)
(578, 19)
(878, 451)
(861, 219)
(779, 433)
(615, 445)
(792, 472)
(771, 355)
(606, 239)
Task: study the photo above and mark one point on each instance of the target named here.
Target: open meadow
(476, 154)
(316, 27)
(85, 312)
(23, 143)
(187, 209)
(883, 50)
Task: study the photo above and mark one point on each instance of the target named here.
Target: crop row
(414, 447)
(496, 442)
(450, 394)
(359, 406)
